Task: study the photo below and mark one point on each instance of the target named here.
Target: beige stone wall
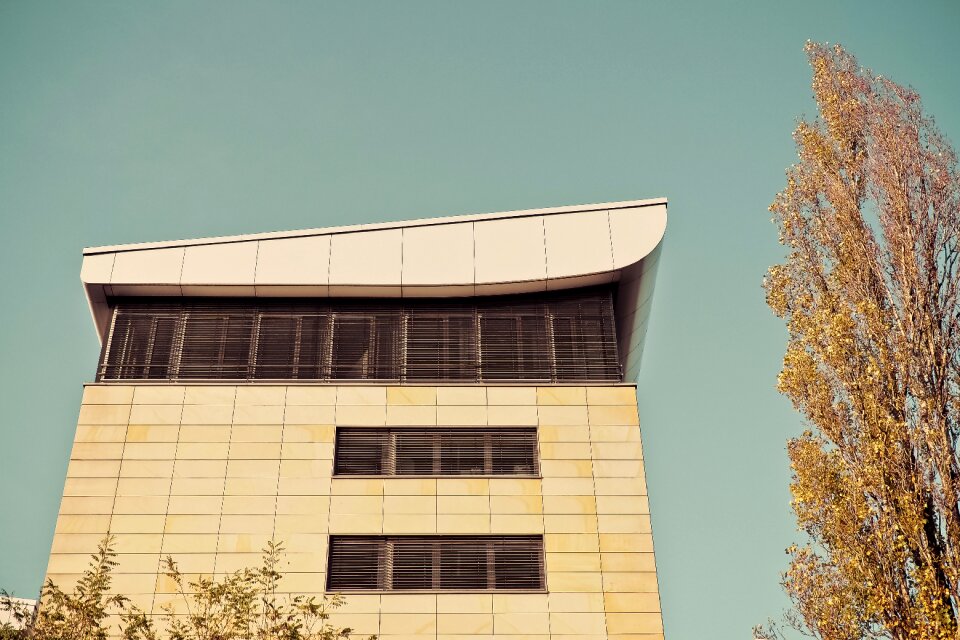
(209, 473)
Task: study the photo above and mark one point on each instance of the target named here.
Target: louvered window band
(435, 563)
(557, 337)
(402, 451)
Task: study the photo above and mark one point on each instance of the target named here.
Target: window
(365, 346)
(441, 345)
(409, 451)
(581, 350)
(551, 337)
(435, 563)
(291, 345)
(216, 343)
(514, 346)
(141, 345)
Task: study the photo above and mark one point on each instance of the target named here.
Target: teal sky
(135, 121)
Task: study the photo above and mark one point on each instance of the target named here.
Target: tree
(243, 605)
(80, 615)
(20, 616)
(870, 217)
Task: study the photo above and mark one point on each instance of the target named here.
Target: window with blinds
(410, 451)
(435, 563)
(556, 337)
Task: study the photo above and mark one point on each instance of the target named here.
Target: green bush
(243, 605)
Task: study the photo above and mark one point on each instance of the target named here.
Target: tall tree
(870, 217)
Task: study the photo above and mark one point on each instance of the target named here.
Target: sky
(140, 121)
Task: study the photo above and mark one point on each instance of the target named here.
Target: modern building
(438, 418)
(9, 618)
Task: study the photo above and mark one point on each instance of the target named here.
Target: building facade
(437, 418)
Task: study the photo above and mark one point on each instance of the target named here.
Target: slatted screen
(405, 451)
(558, 337)
(435, 563)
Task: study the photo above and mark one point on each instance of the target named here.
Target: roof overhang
(471, 255)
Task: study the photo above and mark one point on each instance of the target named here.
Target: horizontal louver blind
(459, 451)
(514, 346)
(291, 345)
(366, 346)
(560, 337)
(216, 343)
(141, 345)
(435, 563)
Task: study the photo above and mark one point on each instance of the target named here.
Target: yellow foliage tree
(870, 292)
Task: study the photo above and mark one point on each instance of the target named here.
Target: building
(437, 417)
(8, 617)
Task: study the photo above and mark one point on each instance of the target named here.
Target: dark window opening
(514, 347)
(401, 451)
(552, 337)
(440, 346)
(292, 345)
(436, 563)
(141, 346)
(365, 347)
(215, 343)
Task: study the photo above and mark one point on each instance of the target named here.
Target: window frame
(431, 545)
(389, 452)
(511, 339)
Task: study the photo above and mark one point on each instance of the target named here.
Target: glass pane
(412, 564)
(463, 565)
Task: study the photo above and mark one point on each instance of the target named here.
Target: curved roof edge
(471, 255)
(417, 222)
